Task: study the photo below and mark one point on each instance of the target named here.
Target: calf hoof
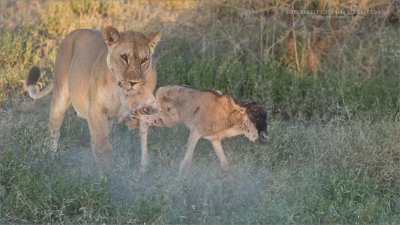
(144, 170)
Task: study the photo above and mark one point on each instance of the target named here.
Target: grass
(333, 156)
(310, 172)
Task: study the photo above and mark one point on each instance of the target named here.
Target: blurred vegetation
(236, 47)
(342, 173)
(334, 125)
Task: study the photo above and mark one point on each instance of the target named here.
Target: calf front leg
(144, 162)
(145, 122)
(187, 160)
(221, 156)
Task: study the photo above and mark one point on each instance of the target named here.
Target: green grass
(310, 172)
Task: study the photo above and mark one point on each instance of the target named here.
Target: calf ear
(111, 35)
(240, 109)
(153, 40)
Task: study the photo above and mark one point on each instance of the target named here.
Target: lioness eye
(125, 58)
(144, 60)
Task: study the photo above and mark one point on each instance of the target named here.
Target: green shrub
(285, 93)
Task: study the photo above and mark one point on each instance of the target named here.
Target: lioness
(97, 72)
(208, 114)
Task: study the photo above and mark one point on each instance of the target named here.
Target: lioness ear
(111, 35)
(153, 40)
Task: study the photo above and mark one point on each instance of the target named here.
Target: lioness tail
(33, 77)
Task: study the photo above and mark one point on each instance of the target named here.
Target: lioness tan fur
(103, 75)
(207, 114)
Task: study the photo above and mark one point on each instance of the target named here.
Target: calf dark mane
(257, 114)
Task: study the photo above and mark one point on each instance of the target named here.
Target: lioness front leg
(101, 147)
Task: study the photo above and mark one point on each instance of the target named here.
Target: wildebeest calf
(208, 114)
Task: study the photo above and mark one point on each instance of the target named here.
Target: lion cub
(208, 114)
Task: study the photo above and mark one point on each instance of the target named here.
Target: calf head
(258, 116)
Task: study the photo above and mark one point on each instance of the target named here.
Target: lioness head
(130, 57)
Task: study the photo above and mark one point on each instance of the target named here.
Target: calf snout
(263, 137)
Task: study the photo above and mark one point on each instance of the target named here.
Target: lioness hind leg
(59, 105)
